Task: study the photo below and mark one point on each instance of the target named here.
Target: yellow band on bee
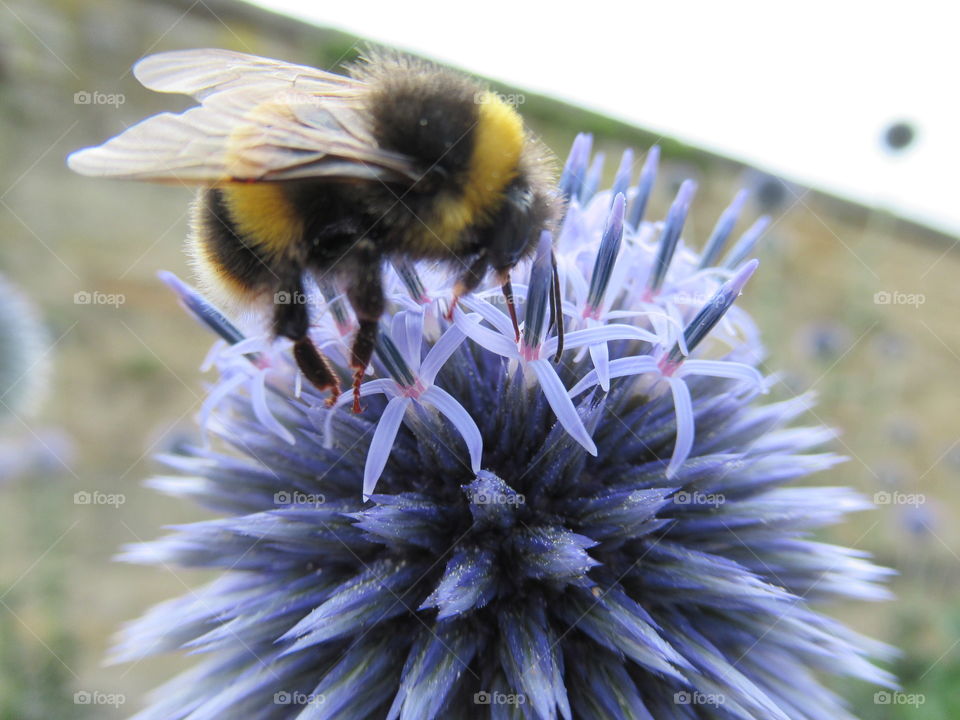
(263, 214)
(498, 139)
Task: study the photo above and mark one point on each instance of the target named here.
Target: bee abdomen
(229, 266)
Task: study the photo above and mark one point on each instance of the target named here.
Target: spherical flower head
(501, 534)
(24, 346)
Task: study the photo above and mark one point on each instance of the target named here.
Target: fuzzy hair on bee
(305, 171)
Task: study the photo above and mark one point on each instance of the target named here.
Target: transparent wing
(204, 72)
(256, 122)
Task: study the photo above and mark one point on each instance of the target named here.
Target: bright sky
(802, 90)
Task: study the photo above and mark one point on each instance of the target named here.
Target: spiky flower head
(498, 535)
(23, 353)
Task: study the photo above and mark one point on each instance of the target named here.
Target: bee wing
(259, 120)
(202, 73)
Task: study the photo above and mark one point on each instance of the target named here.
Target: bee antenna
(556, 306)
(507, 288)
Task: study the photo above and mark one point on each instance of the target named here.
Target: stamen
(575, 169)
(411, 280)
(393, 360)
(202, 310)
(744, 246)
(592, 181)
(710, 314)
(607, 254)
(648, 176)
(671, 234)
(535, 312)
(622, 179)
(337, 307)
(721, 231)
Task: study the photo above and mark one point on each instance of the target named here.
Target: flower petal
(407, 333)
(561, 404)
(217, 394)
(722, 369)
(371, 387)
(440, 352)
(491, 314)
(258, 401)
(601, 363)
(456, 414)
(382, 443)
(602, 334)
(636, 365)
(487, 339)
(683, 408)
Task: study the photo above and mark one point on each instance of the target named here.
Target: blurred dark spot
(889, 345)
(771, 193)
(899, 135)
(891, 476)
(918, 520)
(903, 432)
(824, 341)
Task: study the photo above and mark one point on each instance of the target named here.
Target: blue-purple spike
(671, 234)
(575, 169)
(622, 180)
(607, 254)
(411, 280)
(710, 314)
(744, 246)
(648, 176)
(392, 359)
(592, 181)
(538, 293)
(202, 310)
(336, 304)
(721, 231)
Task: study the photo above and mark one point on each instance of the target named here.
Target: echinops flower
(499, 535)
(24, 365)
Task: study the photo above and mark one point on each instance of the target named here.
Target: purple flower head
(502, 535)
(24, 350)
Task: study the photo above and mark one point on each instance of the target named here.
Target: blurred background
(845, 138)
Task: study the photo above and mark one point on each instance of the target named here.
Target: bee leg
(291, 319)
(366, 296)
(360, 353)
(316, 368)
(556, 307)
(468, 282)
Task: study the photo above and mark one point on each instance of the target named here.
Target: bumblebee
(305, 171)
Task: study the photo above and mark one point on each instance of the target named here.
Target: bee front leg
(468, 282)
(291, 319)
(366, 296)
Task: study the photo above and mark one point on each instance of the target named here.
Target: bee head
(527, 209)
